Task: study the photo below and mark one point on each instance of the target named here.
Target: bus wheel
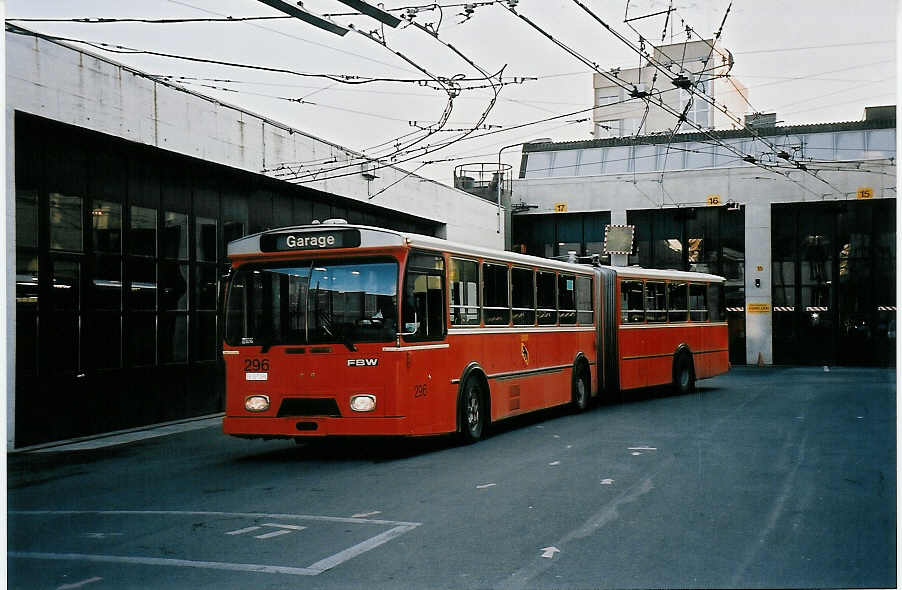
(581, 388)
(683, 375)
(473, 417)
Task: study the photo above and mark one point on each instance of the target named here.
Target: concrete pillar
(8, 212)
(759, 327)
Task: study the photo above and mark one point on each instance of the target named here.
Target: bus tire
(683, 373)
(473, 412)
(581, 388)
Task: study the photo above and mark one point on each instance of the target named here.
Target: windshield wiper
(336, 332)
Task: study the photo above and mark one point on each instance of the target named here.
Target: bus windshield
(315, 302)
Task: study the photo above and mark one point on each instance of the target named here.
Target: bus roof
(654, 273)
(381, 237)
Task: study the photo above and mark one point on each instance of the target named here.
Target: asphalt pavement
(776, 478)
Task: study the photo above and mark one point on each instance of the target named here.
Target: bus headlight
(256, 403)
(363, 403)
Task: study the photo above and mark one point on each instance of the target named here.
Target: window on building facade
(644, 158)
(565, 163)
(591, 162)
(881, 143)
(538, 164)
(699, 110)
(850, 145)
(65, 222)
(617, 160)
(699, 155)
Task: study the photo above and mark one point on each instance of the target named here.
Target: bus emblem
(524, 352)
(363, 362)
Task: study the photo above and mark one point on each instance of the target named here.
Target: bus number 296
(256, 365)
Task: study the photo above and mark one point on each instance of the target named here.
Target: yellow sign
(758, 307)
(560, 207)
(865, 192)
(714, 201)
(760, 268)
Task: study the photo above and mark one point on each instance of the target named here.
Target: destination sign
(321, 240)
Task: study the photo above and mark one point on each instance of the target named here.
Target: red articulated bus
(337, 329)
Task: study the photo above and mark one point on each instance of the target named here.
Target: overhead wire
(342, 78)
(691, 89)
(295, 37)
(406, 148)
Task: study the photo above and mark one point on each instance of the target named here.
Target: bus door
(424, 371)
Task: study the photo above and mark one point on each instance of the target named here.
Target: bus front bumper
(293, 427)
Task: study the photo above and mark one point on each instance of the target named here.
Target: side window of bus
(632, 310)
(546, 298)
(423, 307)
(566, 298)
(523, 296)
(496, 307)
(584, 291)
(464, 292)
(655, 302)
(715, 302)
(698, 302)
(677, 302)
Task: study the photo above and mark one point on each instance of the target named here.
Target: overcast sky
(809, 61)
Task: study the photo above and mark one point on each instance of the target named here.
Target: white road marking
(398, 529)
(242, 531)
(524, 578)
(203, 513)
(278, 533)
(217, 565)
(102, 535)
(554, 463)
(635, 454)
(549, 552)
(485, 485)
(607, 482)
(371, 543)
(569, 446)
(557, 436)
(365, 514)
(79, 584)
(642, 449)
(294, 527)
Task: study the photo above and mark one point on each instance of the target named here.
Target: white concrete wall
(751, 186)
(8, 290)
(60, 83)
